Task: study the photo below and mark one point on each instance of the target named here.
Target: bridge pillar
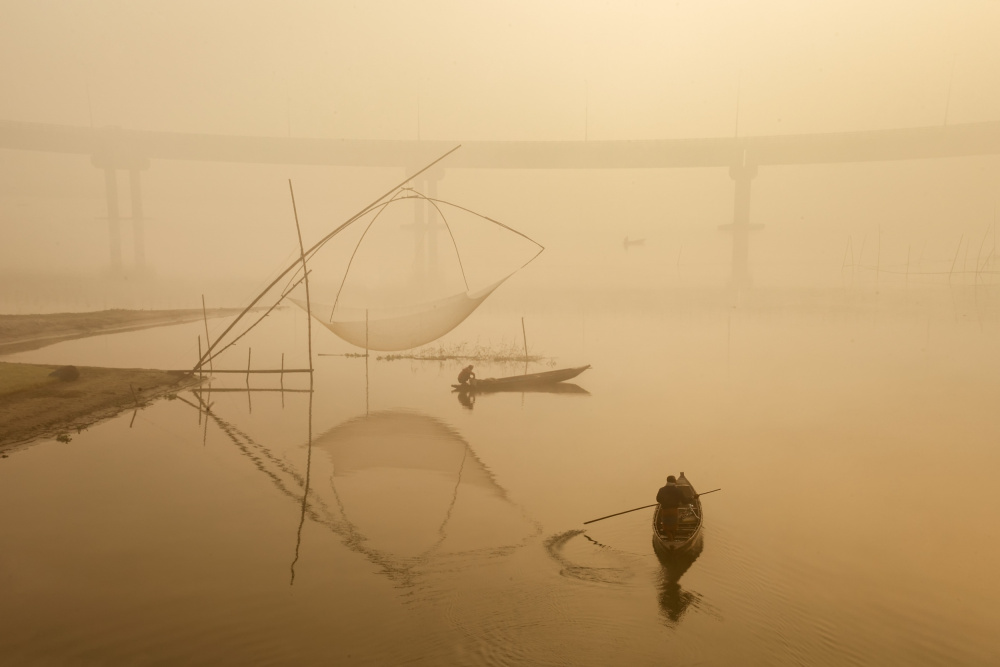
(114, 225)
(425, 227)
(113, 152)
(138, 229)
(742, 176)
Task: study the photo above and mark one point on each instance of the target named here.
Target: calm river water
(854, 436)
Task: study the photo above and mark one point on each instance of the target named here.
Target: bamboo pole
(315, 247)
(282, 370)
(305, 272)
(524, 337)
(243, 371)
(261, 318)
(200, 376)
(208, 339)
(232, 389)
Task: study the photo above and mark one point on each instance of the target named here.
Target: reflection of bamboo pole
(208, 339)
(282, 370)
(249, 390)
(316, 246)
(305, 489)
(200, 376)
(249, 350)
(305, 272)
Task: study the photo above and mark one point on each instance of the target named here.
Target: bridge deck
(122, 148)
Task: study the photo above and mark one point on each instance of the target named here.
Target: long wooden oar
(636, 509)
(618, 513)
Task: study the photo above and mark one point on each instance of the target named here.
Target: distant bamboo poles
(982, 268)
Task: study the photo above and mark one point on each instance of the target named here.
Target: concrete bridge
(115, 149)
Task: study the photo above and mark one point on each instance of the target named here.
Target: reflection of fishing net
(405, 440)
(411, 486)
(398, 279)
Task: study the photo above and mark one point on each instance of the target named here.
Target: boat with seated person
(689, 520)
(515, 382)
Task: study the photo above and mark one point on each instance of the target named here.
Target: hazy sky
(518, 69)
(555, 70)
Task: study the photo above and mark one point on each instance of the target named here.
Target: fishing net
(391, 283)
(399, 327)
(411, 273)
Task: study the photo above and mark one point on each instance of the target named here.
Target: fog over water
(840, 387)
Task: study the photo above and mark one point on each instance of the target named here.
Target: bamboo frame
(208, 356)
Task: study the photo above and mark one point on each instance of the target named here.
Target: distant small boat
(514, 382)
(689, 519)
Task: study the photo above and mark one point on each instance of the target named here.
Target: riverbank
(35, 405)
(19, 333)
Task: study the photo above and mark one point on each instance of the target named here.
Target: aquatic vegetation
(504, 351)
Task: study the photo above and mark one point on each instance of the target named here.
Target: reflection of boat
(689, 519)
(523, 382)
(674, 600)
(468, 398)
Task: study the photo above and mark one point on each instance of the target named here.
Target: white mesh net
(400, 327)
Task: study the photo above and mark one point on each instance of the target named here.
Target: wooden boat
(517, 382)
(689, 519)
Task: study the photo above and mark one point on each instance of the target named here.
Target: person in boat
(466, 376)
(669, 498)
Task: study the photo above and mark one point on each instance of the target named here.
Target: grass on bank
(18, 377)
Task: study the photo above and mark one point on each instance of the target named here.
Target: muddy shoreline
(34, 405)
(50, 408)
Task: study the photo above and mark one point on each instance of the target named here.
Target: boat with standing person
(689, 521)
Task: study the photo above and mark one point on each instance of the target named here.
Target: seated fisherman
(466, 376)
(669, 497)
